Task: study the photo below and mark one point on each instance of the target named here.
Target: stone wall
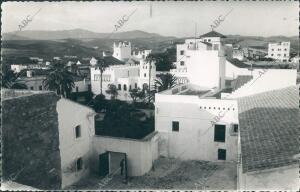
(31, 140)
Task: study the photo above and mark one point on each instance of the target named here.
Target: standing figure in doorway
(122, 166)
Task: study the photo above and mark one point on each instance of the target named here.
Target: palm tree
(112, 91)
(102, 65)
(10, 79)
(59, 79)
(151, 58)
(165, 81)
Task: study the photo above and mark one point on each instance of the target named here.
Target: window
(125, 87)
(221, 154)
(77, 131)
(219, 133)
(145, 74)
(272, 49)
(181, 63)
(209, 40)
(284, 55)
(135, 85)
(119, 86)
(77, 89)
(279, 49)
(129, 87)
(175, 126)
(31, 88)
(285, 49)
(272, 54)
(181, 52)
(79, 164)
(235, 128)
(40, 87)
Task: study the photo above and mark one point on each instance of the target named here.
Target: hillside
(76, 34)
(83, 43)
(79, 47)
(246, 41)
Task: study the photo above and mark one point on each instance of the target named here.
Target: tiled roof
(240, 81)
(269, 129)
(110, 60)
(213, 34)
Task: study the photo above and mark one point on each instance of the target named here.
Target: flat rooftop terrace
(193, 90)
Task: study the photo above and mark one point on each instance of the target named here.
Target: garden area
(122, 119)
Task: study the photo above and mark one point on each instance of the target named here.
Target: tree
(164, 60)
(59, 79)
(165, 81)
(10, 79)
(112, 91)
(137, 93)
(102, 65)
(99, 102)
(151, 58)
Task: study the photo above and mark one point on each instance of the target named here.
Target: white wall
(140, 153)
(71, 114)
(195, 139)
(267, 80)
(279, 51)
(204, 67)
(283, 178)
(82, 86)
(17, 68)
(233, 71)
(121, 74)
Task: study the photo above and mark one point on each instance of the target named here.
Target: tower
(122, 50)
(146, 70)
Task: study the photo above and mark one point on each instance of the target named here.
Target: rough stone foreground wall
(31, 140)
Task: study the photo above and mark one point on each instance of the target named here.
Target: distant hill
(246, 41)
(84, 43)
(77, 34)
(78, 47)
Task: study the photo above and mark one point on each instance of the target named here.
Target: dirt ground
(171, 174)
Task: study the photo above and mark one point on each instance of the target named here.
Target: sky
(177, 19)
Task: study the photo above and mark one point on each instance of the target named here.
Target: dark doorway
(104, 164)
(221, 154)
(114, 164)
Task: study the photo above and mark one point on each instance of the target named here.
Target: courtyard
(168, 173)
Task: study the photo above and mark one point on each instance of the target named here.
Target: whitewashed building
(126, 71)
(76, 132)
(279, 51)
(194, 57)
(200, 120)
(18, 67)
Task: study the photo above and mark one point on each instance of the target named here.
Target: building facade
(125, 71)
(279, 51)
(195, 55)
(193, 125)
